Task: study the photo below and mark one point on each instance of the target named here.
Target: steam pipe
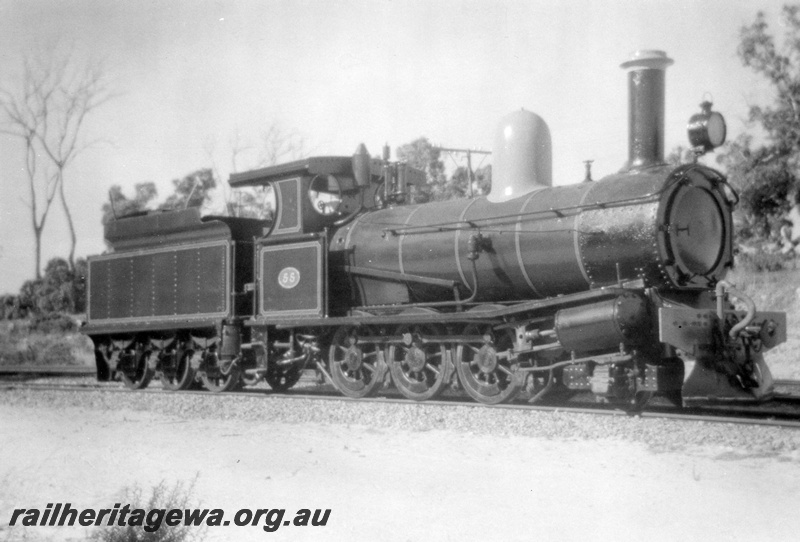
(458, 303)
(724, 287)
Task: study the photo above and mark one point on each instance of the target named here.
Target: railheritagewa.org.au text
(151, 520)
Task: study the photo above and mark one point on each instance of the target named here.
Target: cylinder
(604, 326)
(646, 70)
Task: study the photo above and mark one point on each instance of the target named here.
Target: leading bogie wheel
(355, 362)
(281, 379)
(419, 362)
(484, 367)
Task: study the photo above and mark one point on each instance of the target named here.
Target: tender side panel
(171, 283)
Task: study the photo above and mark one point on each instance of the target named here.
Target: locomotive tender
(614, 286)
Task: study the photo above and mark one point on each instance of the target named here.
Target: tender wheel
(280, 379)
(483, 367)
(355, 365)
(135, 371)
(178, 374)
(221, 375)
(418, 368)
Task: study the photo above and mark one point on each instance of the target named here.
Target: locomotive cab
(310, 195)
(314, 196)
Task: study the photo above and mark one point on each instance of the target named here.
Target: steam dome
(522, 158)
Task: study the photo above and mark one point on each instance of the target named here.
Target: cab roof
(333, 165)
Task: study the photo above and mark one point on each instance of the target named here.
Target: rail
(48, 370)
(769, 414)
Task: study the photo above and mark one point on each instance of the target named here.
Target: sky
(190, 76)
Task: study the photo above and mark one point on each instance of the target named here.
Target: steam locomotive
(614, 287)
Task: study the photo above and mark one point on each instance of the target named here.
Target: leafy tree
(54, 293)
(421, 154)
(458, 184)
(191, 190)
(764, 172)
(483, 179)
(61, 289)
(680, 155)
(780, 66)
(252, 202)
(119, 205)
(764, 178)
(8, 307)
(25, 303)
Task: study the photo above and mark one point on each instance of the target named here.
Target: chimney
(646, 108)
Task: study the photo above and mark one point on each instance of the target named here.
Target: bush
(8, 307)
(53, 323)
(161, 497)
(21, 344)
(763, 261)
(60, 290)
(760, 261)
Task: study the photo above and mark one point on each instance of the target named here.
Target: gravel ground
(401, 473)
(657, 434)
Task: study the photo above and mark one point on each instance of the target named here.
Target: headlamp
(706, 129)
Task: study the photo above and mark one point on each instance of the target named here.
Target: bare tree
(237, 148)
(24, 120)
(41, 188)
(48, 113)
(276, 145)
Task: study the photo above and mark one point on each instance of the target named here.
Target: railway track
(790, 384)
(8, 371)
(782, 411)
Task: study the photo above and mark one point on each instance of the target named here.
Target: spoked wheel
(282, 379)
(418, 367)
(134, 370)
(178, 375)
(356, 364)
(221, 375)
(484, 369)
